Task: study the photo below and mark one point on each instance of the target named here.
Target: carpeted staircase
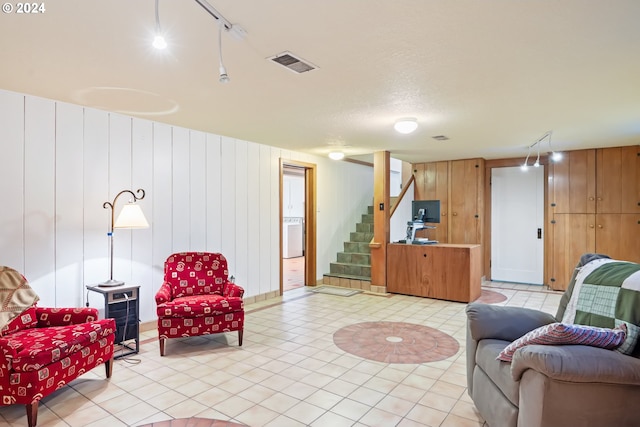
(353, 266)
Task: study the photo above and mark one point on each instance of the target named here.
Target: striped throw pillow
(567, 334)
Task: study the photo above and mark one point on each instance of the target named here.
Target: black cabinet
(122, 304)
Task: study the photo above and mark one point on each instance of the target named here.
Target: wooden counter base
(442, 271)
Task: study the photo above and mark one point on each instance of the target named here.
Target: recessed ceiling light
(336, 155)
(406, 125)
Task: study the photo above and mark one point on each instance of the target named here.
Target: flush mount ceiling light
(336, 155)
(406, 125)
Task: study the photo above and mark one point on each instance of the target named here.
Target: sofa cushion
(606, 294)
(196, 273)
(31, 349)
(500, 373)
(200, 305)
(564, 334)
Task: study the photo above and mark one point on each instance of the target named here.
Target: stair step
(357, 247)
(358, 236)
(367, 218)
(370, 210)
(350, 269)
(364, 227)
(354, 258)
(347, 276)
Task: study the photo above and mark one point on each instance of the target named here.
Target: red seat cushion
(31, 349)
(200, 305)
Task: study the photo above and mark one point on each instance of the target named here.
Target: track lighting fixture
(158, 41)
(224, 77)
(555, 156)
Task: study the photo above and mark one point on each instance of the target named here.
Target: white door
(517, 219)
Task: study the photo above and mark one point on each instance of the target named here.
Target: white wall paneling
(39, 200)
(142, 239)
(238, 262)
(120, 179)
(181, 187)
(264, 219)
(253, 218)
(227, 185)
(197, 192)
(12, 178)
(69, 205)
(203, 192)
(214, 193)
(161, 226)
(96, 192)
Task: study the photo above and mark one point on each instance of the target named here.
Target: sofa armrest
(48, 316)
(504, 323)
(577, 363)
(164, 294)
(232, 290)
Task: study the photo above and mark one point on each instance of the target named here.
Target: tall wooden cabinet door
(419, 176)
(573, 235)
(574, 183)
(465, 179)
(437, 188)
(618, 180)
(617, 235)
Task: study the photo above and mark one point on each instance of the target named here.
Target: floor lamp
(131, 216)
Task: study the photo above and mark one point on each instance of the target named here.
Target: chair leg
(162, 340)
(108, 367)
(32, 414)
(240, 331)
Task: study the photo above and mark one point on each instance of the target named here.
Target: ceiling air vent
(293, 63)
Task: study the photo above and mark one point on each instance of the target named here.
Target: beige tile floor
(288, 372)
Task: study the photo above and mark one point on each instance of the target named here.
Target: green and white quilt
(606, 294)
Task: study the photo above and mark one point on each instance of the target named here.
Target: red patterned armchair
(197, 298)
(43, 349)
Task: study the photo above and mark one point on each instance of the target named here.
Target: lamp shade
(131, 216)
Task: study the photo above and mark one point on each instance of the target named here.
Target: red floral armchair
(43, 349)
(197, 298)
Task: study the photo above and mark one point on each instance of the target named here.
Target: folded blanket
(15, 295)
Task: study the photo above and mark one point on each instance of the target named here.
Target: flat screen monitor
(426, 210)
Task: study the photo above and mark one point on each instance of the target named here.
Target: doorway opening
(297, 225)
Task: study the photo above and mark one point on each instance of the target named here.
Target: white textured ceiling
(491, 75)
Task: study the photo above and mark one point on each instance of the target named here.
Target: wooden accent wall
(381, 168)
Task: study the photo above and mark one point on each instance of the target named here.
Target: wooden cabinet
(444, 271)
(432, 184)
(459, 185)
(594, 207)
(466, 201)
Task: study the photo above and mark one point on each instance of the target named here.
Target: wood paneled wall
(61, 162)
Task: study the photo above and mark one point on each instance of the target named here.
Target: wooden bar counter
(442, 271)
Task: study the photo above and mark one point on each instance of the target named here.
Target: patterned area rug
(491, 297)
(193, 422)
(395, 342)
(342, 292)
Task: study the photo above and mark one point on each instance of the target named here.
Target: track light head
(224, 77)
(159, 42)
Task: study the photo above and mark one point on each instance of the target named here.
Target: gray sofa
(545, 385)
